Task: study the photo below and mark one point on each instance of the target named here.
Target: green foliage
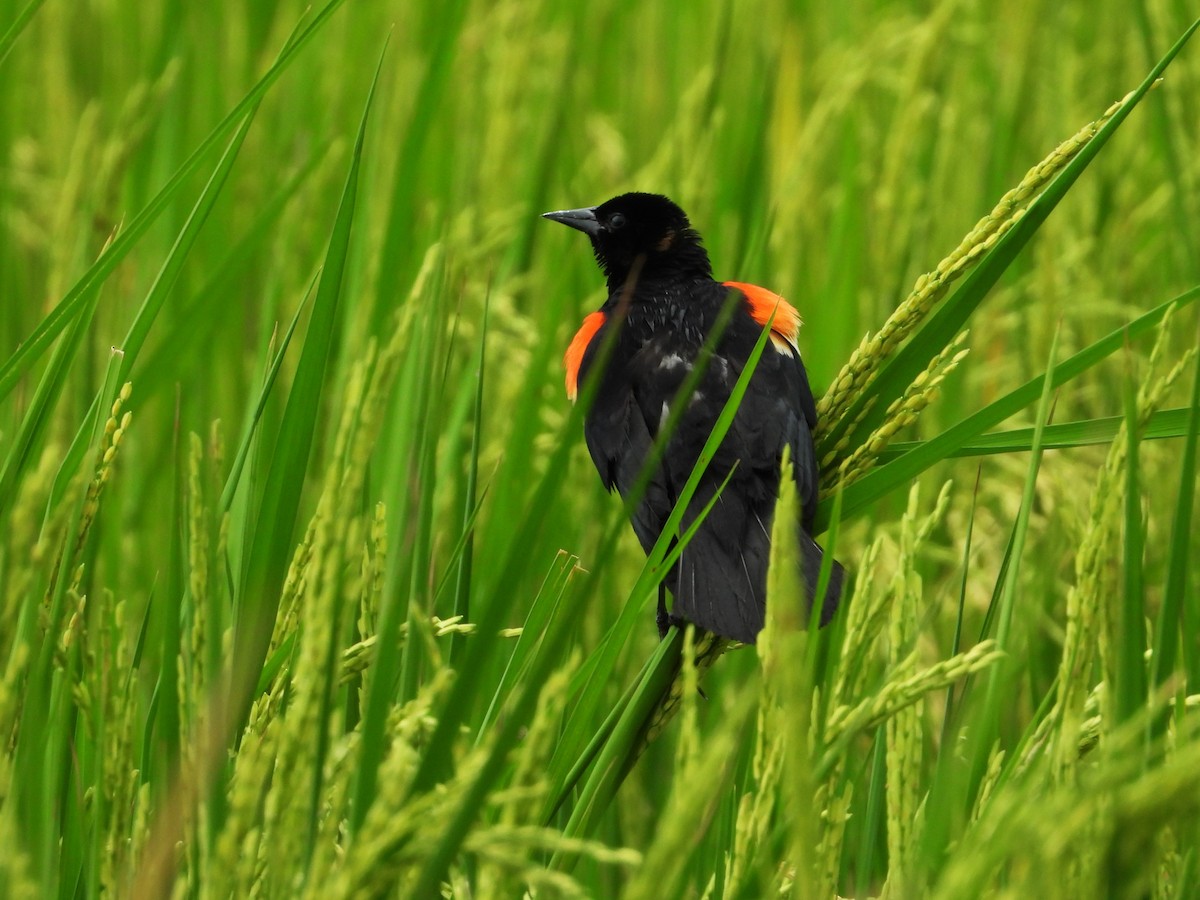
(309, 588)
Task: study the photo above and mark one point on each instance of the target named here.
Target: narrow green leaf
(14, 30)
(1001, 674)
(462, 587)
(1171, 629)
(192, 329)
(614, 758)
(1130, 674)
(956, 642)
(660, 558)
(251, 427)
(868, 847)
(545, 607)
(622, 747)
(427, 399)
(1163, 424)
(41, 405)
(326, 314)
(257, 598)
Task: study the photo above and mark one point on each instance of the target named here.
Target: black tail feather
(810, 564)
(726, 596)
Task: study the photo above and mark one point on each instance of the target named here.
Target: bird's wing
(784, 399)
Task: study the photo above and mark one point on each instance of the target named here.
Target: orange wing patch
(762, 304)
(574, 355)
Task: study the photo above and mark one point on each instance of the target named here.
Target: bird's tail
(811, 556)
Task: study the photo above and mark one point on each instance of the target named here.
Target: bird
(662, 304)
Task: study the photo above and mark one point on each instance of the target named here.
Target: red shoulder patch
(763, 303)
(579, 344)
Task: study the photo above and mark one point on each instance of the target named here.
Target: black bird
(663, 300)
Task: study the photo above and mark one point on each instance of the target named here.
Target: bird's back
(719, 582)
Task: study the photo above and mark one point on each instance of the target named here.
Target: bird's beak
(583, 219)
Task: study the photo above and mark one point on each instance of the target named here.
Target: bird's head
(642, 234)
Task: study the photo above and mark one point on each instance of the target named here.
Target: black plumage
(663, 303)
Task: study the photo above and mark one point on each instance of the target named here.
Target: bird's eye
(615, 221)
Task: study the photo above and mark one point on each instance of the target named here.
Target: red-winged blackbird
(663, 301)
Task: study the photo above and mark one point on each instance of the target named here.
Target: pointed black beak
(583, 219)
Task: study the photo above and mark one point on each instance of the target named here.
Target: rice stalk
(1089, 635)
(933, 286)
(904, 728)
(903, 412)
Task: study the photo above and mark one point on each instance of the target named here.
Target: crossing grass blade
(1164, 424)
(956, 641)
(624, 741)
(33, 426)
(465, 562)
(1130, 669)
(546, 606)
(192, 331)
(1171, 630)
(251, 428)
(270, 544)
(987, 727)
(658, 561)
(19, 24)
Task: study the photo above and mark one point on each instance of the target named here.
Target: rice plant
(309, 589)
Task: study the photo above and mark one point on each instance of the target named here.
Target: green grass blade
(614, 758)
(164, 282)
(868, 847)
(620, 750)
(19, 23)
(545, 606)
(1002, 673)
(195, 325)
(561, 788)
(37, 416)
(427, 398)
(462, 586)
(1163, 424)
(661, 557)
(1170, 628)
(310, 387)
(1130, 674)
(956, 641)
(270, 546)
(251, 428)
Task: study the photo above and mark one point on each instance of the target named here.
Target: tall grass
(308, 587)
